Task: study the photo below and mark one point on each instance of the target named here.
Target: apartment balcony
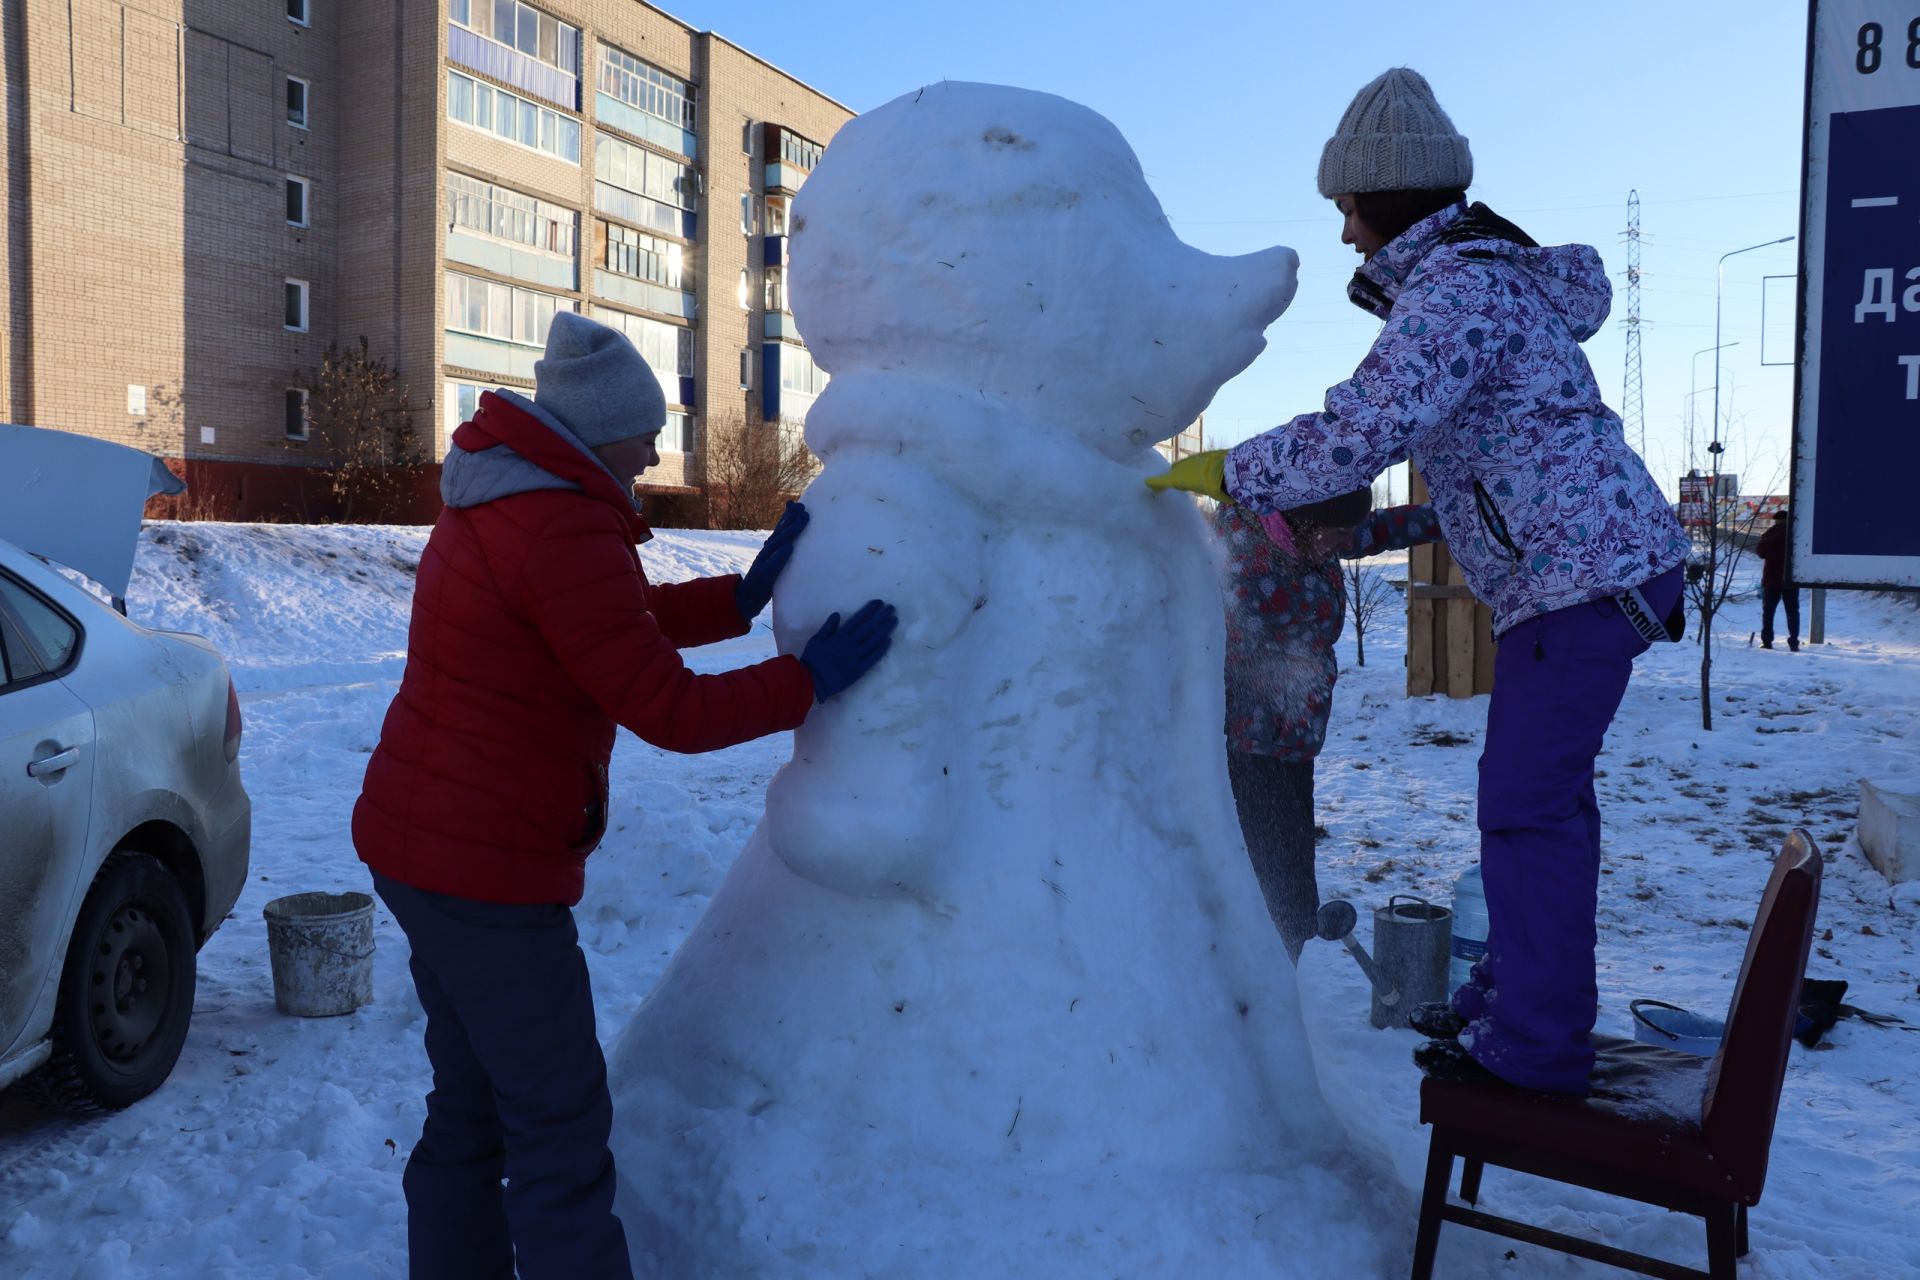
(780, 325)
(773, 251)
(491, 355)
(510, 66)
(644, 212)
(643, 294)
(609, 110)
(784, 177)
(511, 260)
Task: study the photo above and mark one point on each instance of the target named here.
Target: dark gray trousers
(1275, 802)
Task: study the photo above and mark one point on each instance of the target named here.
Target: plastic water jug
(1469, 925)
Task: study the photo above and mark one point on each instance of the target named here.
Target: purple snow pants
(1558, 679)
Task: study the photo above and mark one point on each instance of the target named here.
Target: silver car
(124, 832)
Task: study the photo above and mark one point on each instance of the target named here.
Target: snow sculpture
(992, 990)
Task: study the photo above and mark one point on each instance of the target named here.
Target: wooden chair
(1687, 1133)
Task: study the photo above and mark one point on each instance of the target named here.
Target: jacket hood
(1570, 277)
(513, 446)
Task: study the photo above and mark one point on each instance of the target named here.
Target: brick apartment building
(200, 195)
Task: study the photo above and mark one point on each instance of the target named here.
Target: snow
(267, 1154)
(996, 951)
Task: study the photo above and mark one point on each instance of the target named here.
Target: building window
(776, 207)
(524, 28)
(505, 214)
(746, 215)
(749, 138)
(297, 13)
(297, 92)
(296, 414)
(636, 185)
(667, 348)
(500, 311)
(776, 291)
(297, 297)
(802, 153)
(508, 116)
(745, 291)
(646, 88)
(677, 435)
(644, 257)
(463, 402)
(297, 191)
(746, 368)
(799, 374)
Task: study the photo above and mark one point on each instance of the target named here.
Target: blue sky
(1568, 107)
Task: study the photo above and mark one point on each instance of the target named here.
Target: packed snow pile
(277, 1147)
(996, 950)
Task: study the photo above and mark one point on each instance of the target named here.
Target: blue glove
(756, 586)
(840, 654)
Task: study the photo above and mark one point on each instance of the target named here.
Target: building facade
(201, 195)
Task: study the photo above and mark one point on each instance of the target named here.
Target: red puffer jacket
(534, 631)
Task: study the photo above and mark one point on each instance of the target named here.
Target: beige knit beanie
(1395, 137)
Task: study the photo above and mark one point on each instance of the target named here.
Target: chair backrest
(1744, 1079)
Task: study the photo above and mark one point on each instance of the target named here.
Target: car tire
(126, 991)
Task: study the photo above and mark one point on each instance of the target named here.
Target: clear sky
(1568, 107)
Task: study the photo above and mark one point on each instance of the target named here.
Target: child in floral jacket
(1286, 603)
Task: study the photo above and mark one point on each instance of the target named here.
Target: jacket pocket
(1493, 522)
(594, 814)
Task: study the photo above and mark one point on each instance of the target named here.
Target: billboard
(1857, 386)
(1696, 507)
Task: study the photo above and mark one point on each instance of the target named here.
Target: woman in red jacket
(534, 633)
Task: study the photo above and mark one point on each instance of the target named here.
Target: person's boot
(1436, 1020)
(1766, 644)
(1793, 644)
(1449, 1061)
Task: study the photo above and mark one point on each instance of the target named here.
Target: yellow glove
(1201, 473)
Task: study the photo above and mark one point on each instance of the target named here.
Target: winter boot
(1446, 1060)
(1436, 1020)
(1793, 644)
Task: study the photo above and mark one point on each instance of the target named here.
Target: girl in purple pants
(1479, 379)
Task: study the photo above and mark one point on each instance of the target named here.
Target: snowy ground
(276, 1148)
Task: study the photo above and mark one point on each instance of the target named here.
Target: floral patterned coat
(1479, 378)
(1286, 605)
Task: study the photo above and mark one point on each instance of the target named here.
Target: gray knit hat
(593, 380)
(1395, 137)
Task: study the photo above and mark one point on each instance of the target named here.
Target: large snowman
(992, 991)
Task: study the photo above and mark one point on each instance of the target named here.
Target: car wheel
(126, 991)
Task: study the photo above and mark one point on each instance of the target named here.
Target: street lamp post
(1693, 389)
(1712, 587)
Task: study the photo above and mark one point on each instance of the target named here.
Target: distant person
(535, 632)
(1478, 377)
(1286, 605)
(1774, 587)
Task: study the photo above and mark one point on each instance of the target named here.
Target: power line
(1633, 414)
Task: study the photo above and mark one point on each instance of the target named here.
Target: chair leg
(1723, 1231)
(1740, 1232)
(1426, 1240)
(1470, 1171)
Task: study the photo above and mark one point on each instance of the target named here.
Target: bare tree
(1713, 566)
(360, 422)
(1367, 594)
(752, 471)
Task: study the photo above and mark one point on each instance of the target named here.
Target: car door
(46, 791)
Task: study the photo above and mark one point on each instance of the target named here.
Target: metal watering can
(1412, 944)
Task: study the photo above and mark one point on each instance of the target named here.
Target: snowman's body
(996, 953)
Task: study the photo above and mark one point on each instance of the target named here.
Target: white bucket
(1469, 927)
(321, 945)
(1671, 1027)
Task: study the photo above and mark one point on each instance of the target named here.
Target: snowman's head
(1006, 242)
